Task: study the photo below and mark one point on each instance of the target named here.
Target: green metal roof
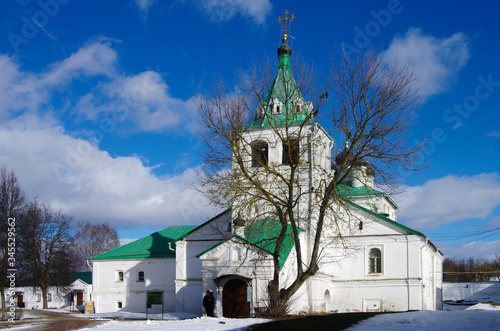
(158, 244)
(262, 234)
(350, 191)
(205, 223)
(85, 276)
(58, 279)
(285, 89)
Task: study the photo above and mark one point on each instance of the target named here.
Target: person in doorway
(209, 303)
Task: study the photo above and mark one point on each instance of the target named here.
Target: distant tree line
(471, 270)
(40, 245)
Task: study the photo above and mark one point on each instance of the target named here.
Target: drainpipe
(408, 272)
(433, 281)
(309, 217)
(422, 277)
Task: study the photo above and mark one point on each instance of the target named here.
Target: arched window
(140, 276)
(327, 301)
(375, 261)
(235, 254)
(259, 154)
(277, 106)
(291, 152)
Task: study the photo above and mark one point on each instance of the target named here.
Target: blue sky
(97, 114)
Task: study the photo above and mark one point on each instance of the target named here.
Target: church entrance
(79, 298)
(234, 299)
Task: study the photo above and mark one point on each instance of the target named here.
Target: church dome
(339, 160)
(284, 48)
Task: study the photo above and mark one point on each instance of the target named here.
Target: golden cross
(285, 26)
(335, 149)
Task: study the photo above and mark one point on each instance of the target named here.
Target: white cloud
(94, 59)
(18, 91)
(27, 91)
(75, 175)
(449, 199)
(475, 249)
(87, 183)
(139, 102)
(144, 5)
(435, 61)
(495, 134)
(223, 10)
(142, 100)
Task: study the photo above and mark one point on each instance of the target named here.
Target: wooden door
(20, 302)
(234, 299)
(79, 298)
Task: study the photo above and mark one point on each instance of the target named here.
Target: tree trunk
(44, 298)
(2, 294)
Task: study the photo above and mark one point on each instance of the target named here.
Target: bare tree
(92, 240)
(47, 258)
(11, 206)
(369, 104)
(471, 270)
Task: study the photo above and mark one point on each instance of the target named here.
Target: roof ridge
(149, 246)
(388, 220)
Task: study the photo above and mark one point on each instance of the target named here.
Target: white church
(379, 265)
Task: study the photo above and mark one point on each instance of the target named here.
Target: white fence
(471, 291)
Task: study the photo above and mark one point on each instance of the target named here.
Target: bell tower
(284, 143)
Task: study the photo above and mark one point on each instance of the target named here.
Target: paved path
(50, 320)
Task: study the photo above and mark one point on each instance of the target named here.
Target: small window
(277, 107)
(119, 276)
(235, 254)
(291, 152)
(375, 261)
(298, 108)
(38, 297)
(49, 297)
(140, 276)
(119, 304)
(259, 154)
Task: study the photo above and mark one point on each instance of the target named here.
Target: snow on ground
(482, 316)
(139, 316)
(484, 306)
(195, 324)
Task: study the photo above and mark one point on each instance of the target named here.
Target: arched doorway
(234, 299)
(327, 301)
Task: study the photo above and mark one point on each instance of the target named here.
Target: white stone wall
(32, 297)
(189, 286)
(159, 275)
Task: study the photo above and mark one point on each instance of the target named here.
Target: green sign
(155, 298)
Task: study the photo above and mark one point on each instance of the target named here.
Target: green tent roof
(262, 234)
(158, 244)
(285, 89)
